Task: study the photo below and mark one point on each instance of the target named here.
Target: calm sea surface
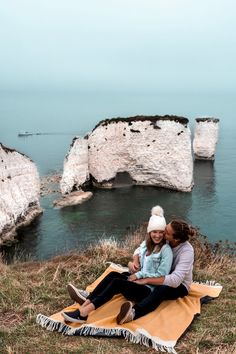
(210, 206)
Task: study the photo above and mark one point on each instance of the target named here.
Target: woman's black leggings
(118, 283)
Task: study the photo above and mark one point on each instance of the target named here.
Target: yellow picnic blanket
(159, 329)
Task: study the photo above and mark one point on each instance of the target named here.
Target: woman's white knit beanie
(157, 220)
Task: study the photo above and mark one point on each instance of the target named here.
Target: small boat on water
(24, 133)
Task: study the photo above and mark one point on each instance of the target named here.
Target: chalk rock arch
(154, 150)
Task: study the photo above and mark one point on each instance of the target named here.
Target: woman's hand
(133, 267)
(132, 277)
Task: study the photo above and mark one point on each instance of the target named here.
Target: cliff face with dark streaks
(19, 192)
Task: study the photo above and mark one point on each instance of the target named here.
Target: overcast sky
(147, 45)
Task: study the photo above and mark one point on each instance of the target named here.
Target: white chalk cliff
(154, 151)
(205, 138)
(19, 192)
(75, 171)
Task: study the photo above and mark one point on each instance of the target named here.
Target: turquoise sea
(113, 213)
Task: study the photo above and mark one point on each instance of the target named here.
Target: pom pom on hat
(157, 210)
(157, 220)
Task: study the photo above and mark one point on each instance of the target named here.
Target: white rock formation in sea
(75, 172)
(205, 138)
(73, 198)
(152, 150)
(19, 192)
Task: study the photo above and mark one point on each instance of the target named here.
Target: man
(172, 286)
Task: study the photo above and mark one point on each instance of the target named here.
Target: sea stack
(19, 193)
(151, 150)
(205, 138)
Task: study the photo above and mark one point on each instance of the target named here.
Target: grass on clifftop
(29, 288)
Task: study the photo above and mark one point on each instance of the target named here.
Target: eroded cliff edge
(19, 193)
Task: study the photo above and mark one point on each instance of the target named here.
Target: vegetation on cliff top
(153, 119)
(40, 287)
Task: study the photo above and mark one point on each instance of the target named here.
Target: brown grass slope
(40, 287)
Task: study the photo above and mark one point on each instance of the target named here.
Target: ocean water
(60, 116)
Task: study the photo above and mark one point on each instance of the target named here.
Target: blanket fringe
(138, 338)
(208, 282)
(52, 325)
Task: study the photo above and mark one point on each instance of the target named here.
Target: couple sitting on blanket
(148, 283)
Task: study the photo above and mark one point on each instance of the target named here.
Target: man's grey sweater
(182, 266)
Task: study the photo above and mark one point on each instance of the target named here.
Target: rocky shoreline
(74, 198)
(50, 184)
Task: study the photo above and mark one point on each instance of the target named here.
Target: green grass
(40, 287)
